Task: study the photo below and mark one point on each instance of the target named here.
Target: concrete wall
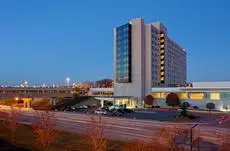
(218, 84)
(148, 60)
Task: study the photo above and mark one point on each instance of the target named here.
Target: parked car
(127, 110)
(100, 111)
(120, 111)
(73, 108)
(82, 107)
(116, 113)
(155, 106)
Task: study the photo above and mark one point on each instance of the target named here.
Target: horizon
(45, 42)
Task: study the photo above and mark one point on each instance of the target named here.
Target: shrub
(184, 107)
(12, 122)
(44, 130)
(195, 107)
(95, 133)
(210, 106)
(186, 104)
(149, 100)
(172, 99)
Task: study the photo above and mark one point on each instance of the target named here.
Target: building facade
(198, 95)
(145, 57)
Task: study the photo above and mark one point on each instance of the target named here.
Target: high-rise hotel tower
(145, 57)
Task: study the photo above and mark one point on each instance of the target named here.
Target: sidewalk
(178, 110)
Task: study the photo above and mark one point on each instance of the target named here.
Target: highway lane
(118, 128)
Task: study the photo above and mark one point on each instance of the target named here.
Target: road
(117, 128)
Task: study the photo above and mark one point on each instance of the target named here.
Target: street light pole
(67, 81)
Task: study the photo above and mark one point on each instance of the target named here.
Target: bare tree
(44, 129)
(95, 135)
(12, 122)
(224, 137)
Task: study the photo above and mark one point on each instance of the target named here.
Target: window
(182, 96)
(164, 95)
(156, 95)
(215, 96)
(197, 96)
(123, 53)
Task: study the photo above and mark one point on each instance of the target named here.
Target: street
(123, 129)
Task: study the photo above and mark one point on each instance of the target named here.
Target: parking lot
(145, 115)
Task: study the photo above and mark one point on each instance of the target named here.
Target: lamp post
(25, 84)
(67, 81)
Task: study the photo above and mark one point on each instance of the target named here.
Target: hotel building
(145, 57)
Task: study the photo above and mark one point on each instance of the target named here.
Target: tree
(184, 106)
(210, 106)
(172, 99)
(96, 136)
(12, 121)
(149, 100)
(44, 130)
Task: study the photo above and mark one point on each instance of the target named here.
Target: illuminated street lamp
(25, 83)
(67, 80)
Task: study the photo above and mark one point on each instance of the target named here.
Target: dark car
(114, 113)
(120, 111)
(128, 110)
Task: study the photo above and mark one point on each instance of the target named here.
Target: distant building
(85, 85)
(145, 57)
(104, 83)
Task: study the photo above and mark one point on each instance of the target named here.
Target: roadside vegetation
(43, 135)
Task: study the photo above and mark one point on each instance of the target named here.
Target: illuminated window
(162, 68)
(162, 35)
(162, 40)
(162, 62)
(215, 96)
(164, 95)
(162, 57)
(196, 96)
(162, 46)
(162, 73)
(162, 78)
(156, 95)
(182, 96)
(162, 51)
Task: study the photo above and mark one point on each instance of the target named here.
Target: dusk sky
(47, 40)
